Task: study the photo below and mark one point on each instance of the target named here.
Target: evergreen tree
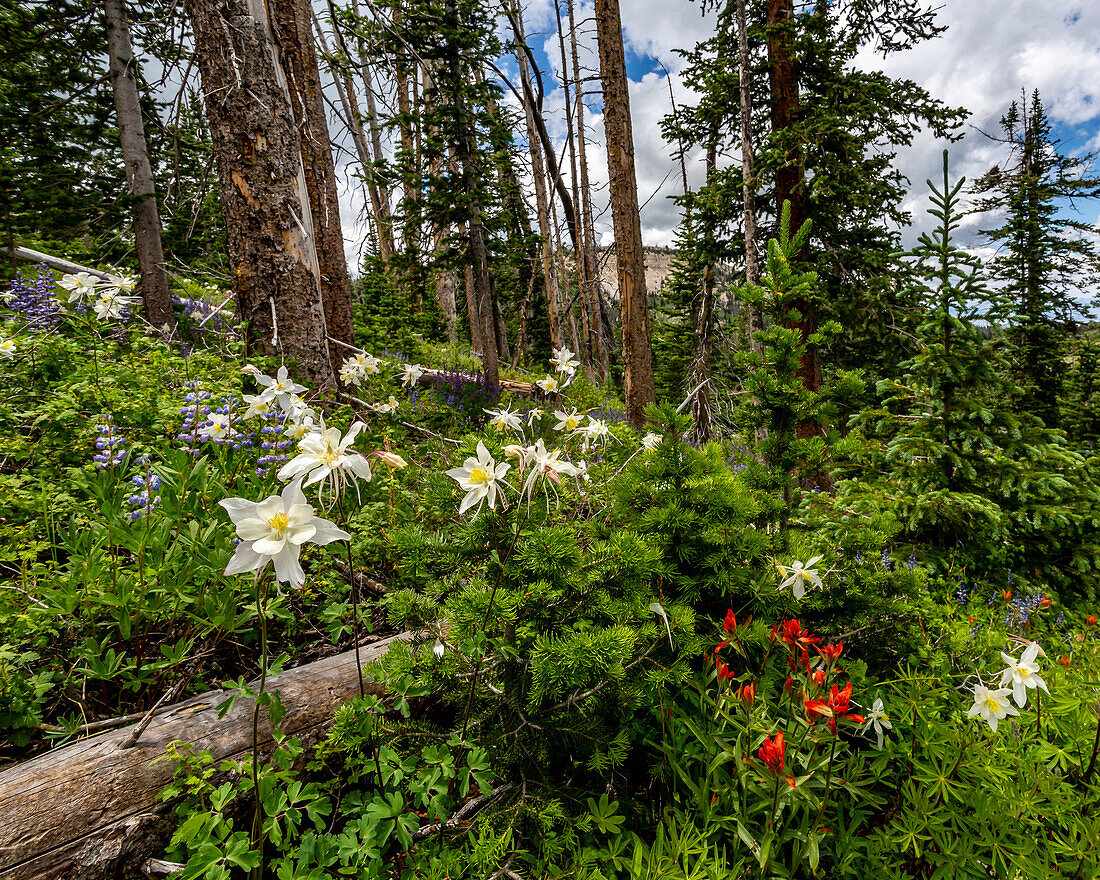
(1045, 261)
(974, 479)
(847, 125)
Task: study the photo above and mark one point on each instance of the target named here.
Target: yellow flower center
(994, 705)
(279, 523)
(1024, 672)
(479, 475)
(571, 423)
(331, 455)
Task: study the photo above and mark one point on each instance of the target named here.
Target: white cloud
(991, 50)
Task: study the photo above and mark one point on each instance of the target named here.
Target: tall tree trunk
(602, 337)
(748, 181)
(790, 176)
(588, 350)
(702, 360)
(538, 174)
(478, 253)
(409, 164)
(626, 216)
(379, 198)
(472, 313)
(257, 150)
(294, 23)
(139, 171)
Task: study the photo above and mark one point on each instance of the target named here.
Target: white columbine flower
(351, 372)
(274, 530)
(281, 388)
(258, 406)
(651, 441)
(546, 465)
(519, 453)
(548, 385)
(992, 706)
(564, 361)
(325, 456)
(119, 284)
(796, 575)
(478, 478)
(567, 421)
(878, 720)
(533, 416)
(595, 430)
(80, 285)
(296, 408)
(296, 430)
(392, 460)
(219, 426)
(410, 374)
(504, 420)
(387, 408)
(8, 348)
(108, 305)
(1023, 673)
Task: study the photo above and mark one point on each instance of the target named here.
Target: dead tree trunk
(478, 253)
(91, 810)
(626, 216)
(602, 337)
(139, 171)
(257, 151)
(538, 174)
(293, 20)
(379, 198)
(748, 181)
(702, 318)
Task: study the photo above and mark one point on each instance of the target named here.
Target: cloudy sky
(991, 50)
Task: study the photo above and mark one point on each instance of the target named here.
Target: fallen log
(90, 810)
(69, 268)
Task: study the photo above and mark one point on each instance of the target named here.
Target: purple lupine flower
(36, 301)
(147, 485)
(107, 444)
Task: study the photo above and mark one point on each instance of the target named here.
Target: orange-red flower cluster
(772, 752)
(835, 708)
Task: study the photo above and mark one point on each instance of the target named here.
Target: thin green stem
(485, 623)
(257, 816)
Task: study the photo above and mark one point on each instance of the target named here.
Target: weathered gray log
(22, 253)
(91, 810)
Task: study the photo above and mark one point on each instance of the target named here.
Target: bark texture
(257, 151)
(626, 217)
(790, 176)
(139, 171)
(294, 31)
(91, 810)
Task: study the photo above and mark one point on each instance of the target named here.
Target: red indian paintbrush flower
(796, 637)
(831, 652)
(724, 672)
(747, 694)
(835, 708)
(730, 623)
(772, 752)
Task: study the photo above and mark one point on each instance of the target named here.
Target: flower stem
(354, 599)
(257, 822)
(485, 623)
